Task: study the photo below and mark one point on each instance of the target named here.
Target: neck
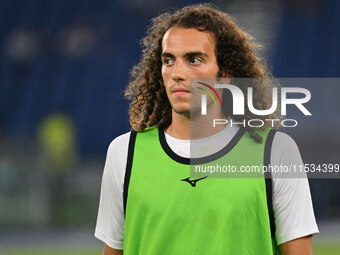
(201, 126)
(180, 126)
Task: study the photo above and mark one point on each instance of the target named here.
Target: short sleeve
(292, 203)
(110, 219)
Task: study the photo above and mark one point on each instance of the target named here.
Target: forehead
(178, 40)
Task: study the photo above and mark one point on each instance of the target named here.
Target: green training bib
(167, 212)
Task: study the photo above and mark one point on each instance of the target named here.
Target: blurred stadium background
(63, 67)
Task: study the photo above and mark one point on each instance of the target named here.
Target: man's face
(187, 53)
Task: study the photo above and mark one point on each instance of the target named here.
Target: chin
(181, 110)
(187, 111)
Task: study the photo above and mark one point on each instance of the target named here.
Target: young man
(148, 203)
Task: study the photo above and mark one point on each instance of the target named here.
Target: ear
(225, 74)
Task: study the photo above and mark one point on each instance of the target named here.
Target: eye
(195, 61)
(168, 61)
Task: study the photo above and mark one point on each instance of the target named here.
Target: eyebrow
(186, 55)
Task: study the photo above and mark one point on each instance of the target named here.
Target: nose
(179, 73)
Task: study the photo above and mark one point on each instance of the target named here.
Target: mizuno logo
(193, 182)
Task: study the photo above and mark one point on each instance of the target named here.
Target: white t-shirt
(292, 204)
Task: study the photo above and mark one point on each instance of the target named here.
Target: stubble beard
(185, 113)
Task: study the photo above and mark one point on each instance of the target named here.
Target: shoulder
(283, 140)
(276, 138)
(118, 145)
(284, 150)
(285, 154)
(115, 163)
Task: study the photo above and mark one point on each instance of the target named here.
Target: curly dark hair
(236, 55)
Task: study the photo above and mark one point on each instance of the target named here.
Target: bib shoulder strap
(129, 167)
(268, 180)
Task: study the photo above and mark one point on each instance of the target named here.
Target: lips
(180, 91)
